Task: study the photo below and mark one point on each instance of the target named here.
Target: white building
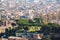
(31, 14)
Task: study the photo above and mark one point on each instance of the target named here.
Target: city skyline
(24, 5)
(29, 8)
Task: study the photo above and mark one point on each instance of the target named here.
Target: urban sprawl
(29, 19)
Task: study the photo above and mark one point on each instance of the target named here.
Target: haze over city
(45, 6)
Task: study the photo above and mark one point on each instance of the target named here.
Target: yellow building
(2, 29)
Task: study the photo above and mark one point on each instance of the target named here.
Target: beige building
(16, 38)
(38, 36)
(2, 29)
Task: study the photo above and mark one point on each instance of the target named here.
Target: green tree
(38, 20)
(23, 22)
(46, 37)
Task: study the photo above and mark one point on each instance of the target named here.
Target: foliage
(19, 31)
(53, 24)
(30, 26)
(22, 21)
(10, 32)
(47, 37)
(38, 20)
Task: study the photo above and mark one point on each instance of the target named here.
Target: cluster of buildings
(16, 9)
(11, 10)
(7, 24)
(31, 14)
(34, 37)
(50, 17)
